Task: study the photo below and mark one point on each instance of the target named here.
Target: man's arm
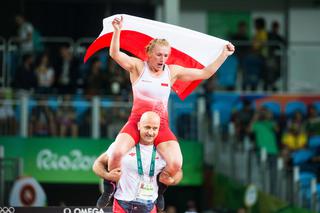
(166, 179)
(99, 168)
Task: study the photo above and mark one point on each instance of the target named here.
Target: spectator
(277, 43)
(96, 81)
(42, 122)
(260, 48)
(253, 69)
(242, 119)
(45, 74)
(242, 40)
(25, 35)
(120, 116)
(119, 81)
(295, 137)
(86, 124)
(66, 71)
(25, 77)
(8, 124)
(171, 209)
(260, 37)
(66, 119)
(312, 124)
(264, 128)
(191, 207)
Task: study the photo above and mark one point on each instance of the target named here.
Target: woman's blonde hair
(154, 42)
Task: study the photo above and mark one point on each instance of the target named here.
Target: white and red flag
(188, 48)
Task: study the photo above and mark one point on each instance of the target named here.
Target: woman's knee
(175, 164)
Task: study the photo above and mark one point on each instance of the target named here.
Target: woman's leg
(171, 153)
(123, 143)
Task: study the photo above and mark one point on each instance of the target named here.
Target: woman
(151, 84)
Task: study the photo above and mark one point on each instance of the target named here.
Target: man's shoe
(106, 197)
(160, 203)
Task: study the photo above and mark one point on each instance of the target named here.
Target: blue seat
(225, 111)
(106, 102)
(227, 73)
(301, 156)
(314, 142)
(179, 107)
(273, 106)
(53, 102)
(231, 98)
(316, 104)
(294, 106)
(81, 105)
(305, 179)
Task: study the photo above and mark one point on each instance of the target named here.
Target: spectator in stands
(191, 207)
(66, 68)
(66, 118)
(120, 116)
(265, 128)
(171, 209)
(295, 137)
(260, 47)
(86, 123)
(96, 81)
(253, 68)
(25, 77)
(312, 124)
(42, 121)
(45, 74)
(8, 124)
(119, 81)
(25, 35)
(242, 119)
(273, 63)
(241, 39)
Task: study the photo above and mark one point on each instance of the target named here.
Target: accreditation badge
(145, 190)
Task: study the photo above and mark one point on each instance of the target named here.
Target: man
(137, 188)
(25, 34)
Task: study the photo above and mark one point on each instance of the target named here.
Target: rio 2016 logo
(7, 209)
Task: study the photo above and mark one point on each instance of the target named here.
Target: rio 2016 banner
(63, 160)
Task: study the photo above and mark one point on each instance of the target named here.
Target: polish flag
(188, 48)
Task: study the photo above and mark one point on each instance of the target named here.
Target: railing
(104, 116)
(10, 170)
(269, 174)
(3, 61)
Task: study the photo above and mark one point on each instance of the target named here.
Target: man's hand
(114, 175)
(117, 23)
(165, 178)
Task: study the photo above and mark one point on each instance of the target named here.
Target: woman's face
(158, 57)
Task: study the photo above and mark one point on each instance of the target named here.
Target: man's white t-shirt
(128, 184)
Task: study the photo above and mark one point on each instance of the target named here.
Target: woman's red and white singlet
(151, 93)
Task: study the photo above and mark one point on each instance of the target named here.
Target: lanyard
(139, 162)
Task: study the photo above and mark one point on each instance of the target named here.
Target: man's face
(149, 129)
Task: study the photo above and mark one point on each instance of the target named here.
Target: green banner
(224, 24)
(66, 160)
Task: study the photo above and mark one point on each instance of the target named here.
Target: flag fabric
(188, 48)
